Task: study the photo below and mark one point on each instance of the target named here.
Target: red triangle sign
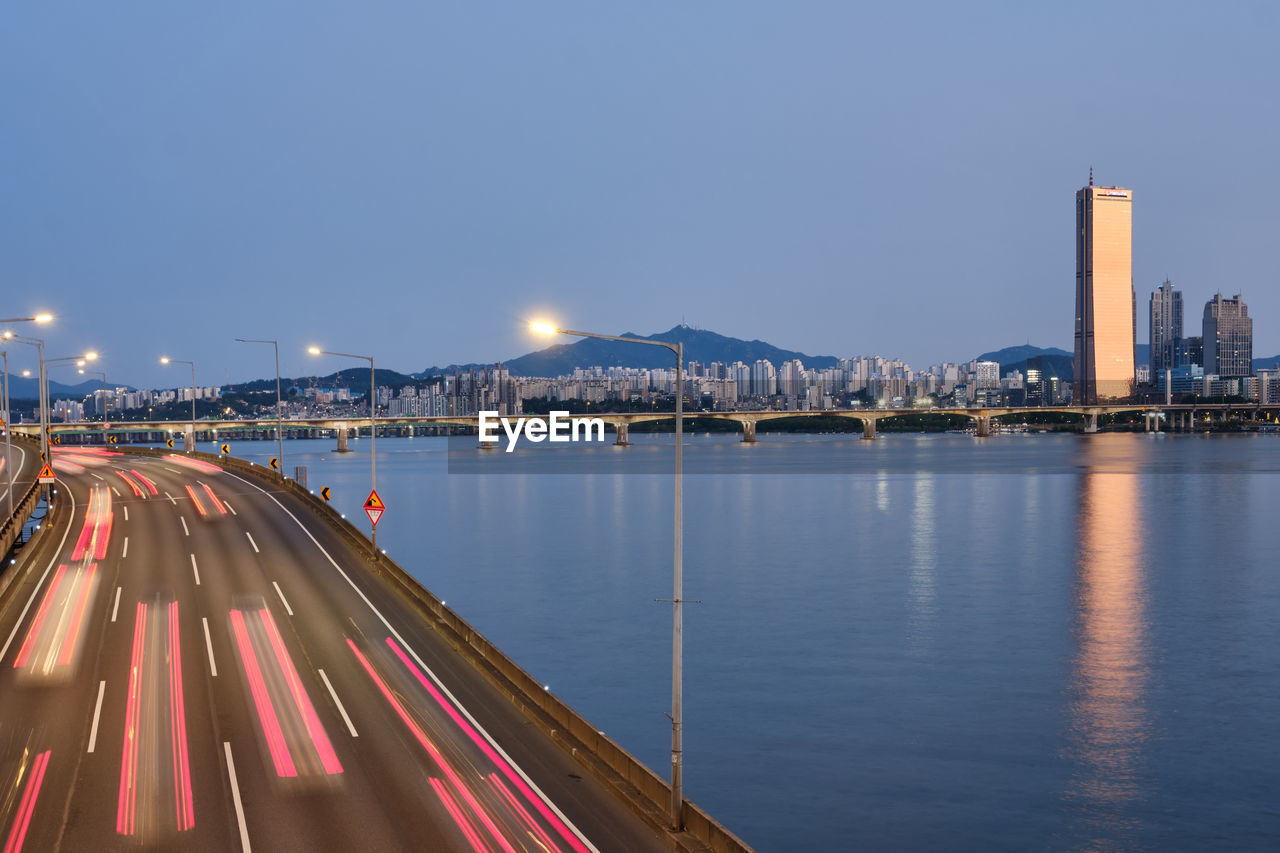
(374, 502)
(374, 515)
(46, 474)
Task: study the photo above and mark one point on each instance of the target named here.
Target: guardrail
(11, 529)
(644, 791)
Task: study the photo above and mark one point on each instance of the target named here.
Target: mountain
(21, 388)
(1057, 362)
(699, 345)
(1266, 363)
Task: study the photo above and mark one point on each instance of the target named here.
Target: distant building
(1166, 327)
(986, 374)
(1228, 337)
(1193, 349)
(1105, 321)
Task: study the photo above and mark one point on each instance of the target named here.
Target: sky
(415, 181)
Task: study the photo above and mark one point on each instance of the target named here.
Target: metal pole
(104, 408)
(373, 443)
(279, 412)
(8, 429)
(193, 405)
(677, 623)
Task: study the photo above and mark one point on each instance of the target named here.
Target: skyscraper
(1228, 337)
(1105, 298)
(1166, 328)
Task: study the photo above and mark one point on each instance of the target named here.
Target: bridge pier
(984, 426)
(623, 433)
(868, 429)
(343, 439)
(1091, 423)
(748, 430)
(188, 439)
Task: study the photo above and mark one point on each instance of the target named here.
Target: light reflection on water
(1109, 718)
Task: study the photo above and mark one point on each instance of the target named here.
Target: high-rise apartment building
(1166, 328)
(1228, 337)
(1105, 298)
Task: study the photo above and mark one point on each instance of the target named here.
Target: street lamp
(8, 428)
(279, 410)
(39, 318)
(373, 430)
(103, 374)
(38, 343)
(677, 597)
(164, 359)
(80, 361)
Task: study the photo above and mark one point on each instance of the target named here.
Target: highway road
(188, 660)
(26, 464)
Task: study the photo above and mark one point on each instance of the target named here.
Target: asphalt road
(26, 464)
(189, 661)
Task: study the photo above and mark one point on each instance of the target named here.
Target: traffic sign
(374, 507)
(46, 474)
(226, 448)
(114, 439)
(324, 493)
(168, 442)
(57, 439)
(275, 463)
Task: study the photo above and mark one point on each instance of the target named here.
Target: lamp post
(79, 360)
(103, 374)
(164, 359)
(279, 410)
(38, 343)
(677, 596)
(373, 429)
(8, 428)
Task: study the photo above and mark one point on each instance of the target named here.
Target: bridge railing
(646, 793)
(11, 529)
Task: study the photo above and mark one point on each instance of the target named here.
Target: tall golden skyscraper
(1106, 321)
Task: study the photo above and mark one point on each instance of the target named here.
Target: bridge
(196, 653)
(1183, 416)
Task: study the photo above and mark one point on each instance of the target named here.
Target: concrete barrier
(646, 793)
(22, 509)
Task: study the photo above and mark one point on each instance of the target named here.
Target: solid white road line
(115, 609)
(125, 552)
(97, 712)
(251, 542)
(338, 702)
(195, 571)
(170, 497)
(283, 600)
(185, 530)
(40, 583)
(126, 512)
(426, 669)
(235, 798)
(208, 644)
(230, 507)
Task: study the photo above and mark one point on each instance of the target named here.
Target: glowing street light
(164, 359)
(542, 327)
(373, 429)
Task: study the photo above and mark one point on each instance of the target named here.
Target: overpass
(198, 654)
(1183, 416)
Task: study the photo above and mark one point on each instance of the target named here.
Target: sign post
(374, 508)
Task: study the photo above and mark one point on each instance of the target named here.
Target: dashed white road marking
(97, 712)
(115, 609)
(283, 600)
(195, 571)
(251, 542)
(185, 529)
(230, 507)
(208, 645)
(170, 497)
(235, 798)
(338, 702)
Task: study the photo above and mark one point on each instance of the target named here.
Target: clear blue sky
(413, 180)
